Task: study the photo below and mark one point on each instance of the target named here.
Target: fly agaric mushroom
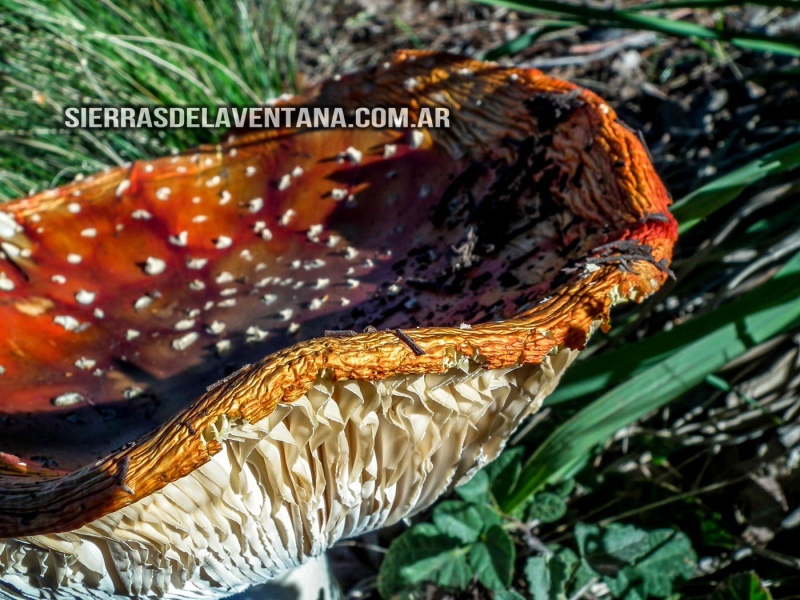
(479, 256)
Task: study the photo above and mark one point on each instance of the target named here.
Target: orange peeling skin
(584, 162)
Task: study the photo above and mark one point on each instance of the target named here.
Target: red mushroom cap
(127, 294)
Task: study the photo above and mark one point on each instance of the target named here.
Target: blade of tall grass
(674, 4)
(518, 44)
(631, 19)
(704, 201)
(568, 447)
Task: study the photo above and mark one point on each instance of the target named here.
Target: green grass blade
(711, 4)
(519, 43)
(655, 386)
(635, 20)
(610, 368)
(175, 52)
(701, 203)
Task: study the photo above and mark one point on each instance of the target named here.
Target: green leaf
(636, 563)
(508, 595)
(570, 444)
(547, 577)
(563, 488)
(668, 558)
(504, 473)
(563, 565)
(464, 521)
(545, 507)
(537, 574)
(714, 531)
(742, 586)
(420, 554)
(493, 559)
(625, 542)
(477, 490)
(588, 539)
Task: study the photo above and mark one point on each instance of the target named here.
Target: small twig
(409, 342)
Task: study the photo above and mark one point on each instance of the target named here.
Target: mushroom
(189, 404)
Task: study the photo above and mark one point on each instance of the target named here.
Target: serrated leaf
(420, 554)
(464, 521)
(493, 559)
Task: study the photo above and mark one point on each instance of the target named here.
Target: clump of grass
(179, 52)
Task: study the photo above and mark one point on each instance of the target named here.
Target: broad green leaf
(537, 574)
(493, 559)
(508, 595)
(547, 577)
(657, 385)
(635, 563)
(563, 488)
(667, 559)
(477, 490)
(588, 539)
(452, 572)
(625, 542)
(563, 565)
(464, 521)
(742, 586)
(420, 554)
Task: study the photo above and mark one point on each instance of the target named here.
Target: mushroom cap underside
(128, 298)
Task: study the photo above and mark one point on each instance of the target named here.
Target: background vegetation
(667, 464)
